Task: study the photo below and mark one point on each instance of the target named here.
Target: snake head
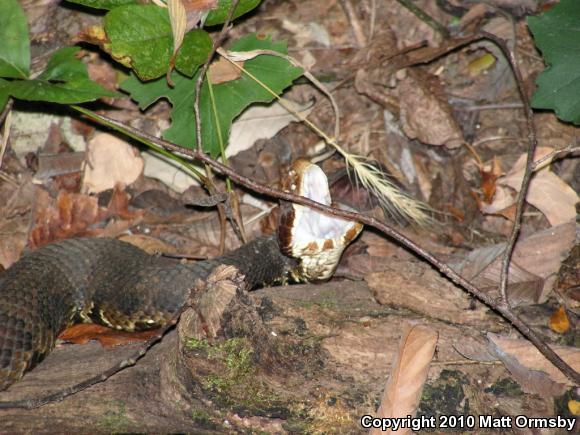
(317, 240)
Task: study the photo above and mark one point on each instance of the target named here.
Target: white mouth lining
(313, 225)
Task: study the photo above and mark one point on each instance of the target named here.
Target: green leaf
(141, 38)
(104, 4)
(193, 52)
(64, 66)
(65, 80)
(231, 97)
(14, 45)
(219, 15)
(557, 35)
(141, 33)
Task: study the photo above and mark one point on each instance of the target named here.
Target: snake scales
(119, 285)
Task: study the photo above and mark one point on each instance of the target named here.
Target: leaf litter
(360, 324)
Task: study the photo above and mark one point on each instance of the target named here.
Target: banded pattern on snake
(116, 284)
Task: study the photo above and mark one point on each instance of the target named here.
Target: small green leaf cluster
(140, 36)
(557, 35)
(64, 80)
(230, 98)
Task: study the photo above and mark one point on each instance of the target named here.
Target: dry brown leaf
(13, 236)
(530, 358)
(195, 9)
(223, 71)
(119, 205)
(109, 161)
(306, 33)
(15, 206)
(71, 214)
(488, 180)
(199, 5)
(531, 381)
(83, 333)
(151, 245)
(178, 20)
(559, 321)
(408, 375)
(263, 122)
(475, 12)
(364, 85)
(483, 267)
(425, 112)
(542, 253)
(75, 215)
(547, 192)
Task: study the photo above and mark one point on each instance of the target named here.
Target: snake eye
(317, 239)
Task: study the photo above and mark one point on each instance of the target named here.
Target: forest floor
(451, 131)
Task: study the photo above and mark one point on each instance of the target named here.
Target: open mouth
(315, 238)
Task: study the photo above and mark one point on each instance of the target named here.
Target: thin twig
(6, 109)
(497, 106)
(499, 306)
(425, 17)
(481, 141)
(373, 19)
(222, 212)
(5, 136)
(554, 155)
(203, 71)
(533, 142)
(4, 116)
(8, 178)
(359, 34)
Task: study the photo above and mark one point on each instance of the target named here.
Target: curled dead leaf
(425, 112)
(535, 263)
(263, 122)
(408, 375)
(547, 192)
(530, 359)
(178, 20)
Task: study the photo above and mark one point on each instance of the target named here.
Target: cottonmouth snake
(118, 285)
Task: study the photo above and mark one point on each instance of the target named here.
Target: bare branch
(499, 306)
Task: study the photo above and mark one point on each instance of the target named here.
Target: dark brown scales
(109, 281)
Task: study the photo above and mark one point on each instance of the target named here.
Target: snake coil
(119, 285)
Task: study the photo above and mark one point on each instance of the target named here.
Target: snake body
(110, 282)
(116, 284)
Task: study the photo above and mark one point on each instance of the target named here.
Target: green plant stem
(160, 150)
(219, 130)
